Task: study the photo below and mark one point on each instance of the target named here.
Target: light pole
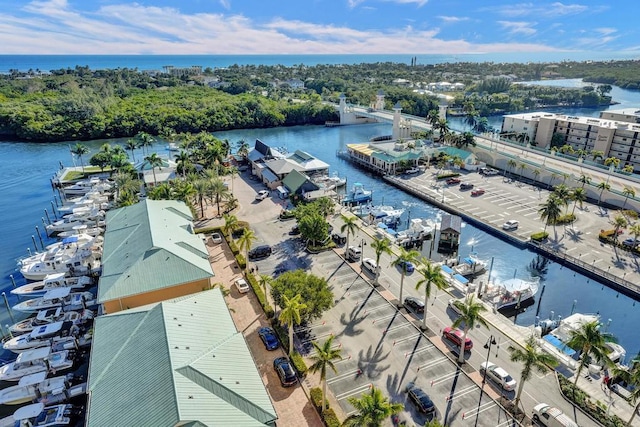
(491, 341)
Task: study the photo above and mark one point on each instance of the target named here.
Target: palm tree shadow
(370, 363)
(449, 413)
(574, 235)
(352, 322)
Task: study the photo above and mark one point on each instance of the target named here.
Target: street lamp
(491, 341)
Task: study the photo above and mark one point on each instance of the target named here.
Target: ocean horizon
(156, 62)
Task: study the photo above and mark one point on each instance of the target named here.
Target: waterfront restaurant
(386, 157)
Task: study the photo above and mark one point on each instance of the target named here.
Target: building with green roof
(151, 254)
(180, 362)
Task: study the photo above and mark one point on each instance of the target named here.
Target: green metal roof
(294, 180)
(176, 362)
(454, 151)
(391, 157)
(150, 246)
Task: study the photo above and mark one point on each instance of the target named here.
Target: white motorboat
(470, 266)
(336, 181)
(92, 198)
(52, 281)
(38, 360)
(75, 255)
(59, 335)
(81, 188)
(510, 293)
(68, 223)
(81, 229)
(51, 315)
(419, 230)
(357, 195)
(60, 297)
(32, 387)
(38, 415)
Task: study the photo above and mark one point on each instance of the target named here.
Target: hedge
(315, 394)
(262, 299)
(330, 418)
(233, 247)
(539, 236)
(447, 175)
(597, 410)
(566, 219)
(207, 230)
(296, 359)
(242, 263)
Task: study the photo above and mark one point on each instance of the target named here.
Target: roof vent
(176, 347)
(190, 397)
(179, 324)
(188, 348)
(175, 318)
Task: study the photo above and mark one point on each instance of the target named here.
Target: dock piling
(6, 303)
(13, 281)
(33, 239)
(40, 237)
(46, 213)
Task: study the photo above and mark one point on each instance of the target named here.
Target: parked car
(415, 304)
(216, 238)
(451, 304)
(285, 371)
(269, 338)
(451, 181)
(498, 375)
(631, 242)
(262, 194)
(295, 230)
(242, 286)
(477, 192)
(455, 336)
(548, 416)
(421, 399)
(407, 266)
(412, 171)
(260, 252)
(370, 265)
(512, 224)
(339, 239)
(466, 186)
(488, 171)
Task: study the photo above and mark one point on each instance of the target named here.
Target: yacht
(38, 415)
(509, 294)
(419, 230)
(91, 217)
(58, 335)
(38, 360)
(470, 266)
(51, 315)
(81, 188)
(32, 387)
(60, 297)
(357, 195)
(52, 281)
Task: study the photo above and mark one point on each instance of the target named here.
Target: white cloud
(55, 27)
(541, 10)
(606, 31)
(518, 27)
(452, 19)
(420, 3)
(225, 4)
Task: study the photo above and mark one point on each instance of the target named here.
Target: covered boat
(59, 297)
(45, 317)
(39, 415)
(37, 360)
(30, 387)
(52, 281)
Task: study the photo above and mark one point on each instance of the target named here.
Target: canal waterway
(25, 188)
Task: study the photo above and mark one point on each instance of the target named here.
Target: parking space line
(477, 411)
(350, 374)
(444, 377)
(462, 392)
(353, 392)
(433, 363)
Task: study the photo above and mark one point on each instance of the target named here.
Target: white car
(262, 194)
(370, 265)
(242, 286)
(412, 171)
(512, 224)
(451, 304)
(216, 238)
(498, 375)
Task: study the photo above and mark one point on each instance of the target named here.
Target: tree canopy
(313, 290)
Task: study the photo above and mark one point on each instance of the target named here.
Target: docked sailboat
(60, 297)
(51, 315)
(511, 293)
(52, 281)
(470, 266)
(37, 360)
(39, 415)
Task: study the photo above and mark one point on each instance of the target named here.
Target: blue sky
(316, 26)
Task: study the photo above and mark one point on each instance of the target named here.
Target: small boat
(58, 335)
(60, 297)
(419, 230)
(39, 415)
(52, 281)
(69, 222)
(38, 360)
(51, 315)
(81, 188)
(81, 229)
(511, 293)
(357, 195)
(31, 387)
(336, 181)
(470, 266)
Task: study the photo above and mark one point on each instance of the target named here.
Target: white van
(549, 416)
(354, 253)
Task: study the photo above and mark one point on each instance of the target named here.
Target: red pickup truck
(453, 181)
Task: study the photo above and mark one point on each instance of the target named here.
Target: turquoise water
(156, 62)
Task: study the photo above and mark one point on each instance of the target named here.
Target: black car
(421, 399)
(466, 186)
(416, 305)
(338, 239)
(285, 371)
(294, 231)
(269, 338)
(260, 252)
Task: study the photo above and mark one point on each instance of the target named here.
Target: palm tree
(201, 187)
(80, 150)
(631, 376)
(627, 192)
(125, 184)
(230, 223)
(243, 148)
(290, 314)
(433, 116)
(372, 408)
(590, 341)
(550, 211)
(323, 359)
(442, 126)
(154, 161)
(217, 190)
(511, 164)
(131, 145)
(634, 230)
(182, 161)
(245, 241)
(402, 260)
(431, 275)
(578, 195)
(602, 186)
(618, 222)
(536, 173)
(522, 167)
(597, 154)
(532, 360)
(379, 247)
(470, 311)
(144, 140)
(563, 194)
(584, 180)
(350, 226)
(263, 281)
